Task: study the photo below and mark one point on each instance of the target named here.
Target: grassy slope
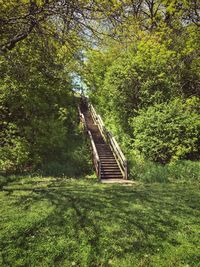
(83, 223)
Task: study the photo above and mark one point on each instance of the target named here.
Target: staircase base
(117, 181)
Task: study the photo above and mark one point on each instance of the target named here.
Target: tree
(155, 60)
(37, 106)
(59, 19)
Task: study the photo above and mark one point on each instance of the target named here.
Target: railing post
(96, 159)
(99, 165)
(126, 170)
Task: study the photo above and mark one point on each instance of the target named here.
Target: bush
(74, 161)
(14, 154)
(168, 132)
(147, 171)
(37, 106)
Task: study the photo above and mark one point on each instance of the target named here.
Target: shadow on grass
(93, 225)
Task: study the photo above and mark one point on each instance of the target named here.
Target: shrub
(14, 154)
(74, 161)
(168, 132)
(37, 106)
(140, 169)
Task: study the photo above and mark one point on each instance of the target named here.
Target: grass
(184, 171)
(66, 222)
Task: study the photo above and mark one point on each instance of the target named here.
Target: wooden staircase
(108, 159)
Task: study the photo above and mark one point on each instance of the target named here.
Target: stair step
(112, 173)
(111, 170)
(104, 145)
(110, 162)
(112, 177)
(116, 169)
(104, 148)
(109, 166)
(106, 157)
(104, 160)
(110, 159)
(104, 153)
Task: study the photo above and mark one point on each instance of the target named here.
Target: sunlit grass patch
(68, 222)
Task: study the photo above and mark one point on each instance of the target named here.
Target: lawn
(66, 222)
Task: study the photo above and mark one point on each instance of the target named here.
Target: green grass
(184, 171)
(60, 222)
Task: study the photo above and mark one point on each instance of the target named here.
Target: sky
(78, 84)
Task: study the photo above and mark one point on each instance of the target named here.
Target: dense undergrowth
(40, 129)
(73, 160)
(149, 172)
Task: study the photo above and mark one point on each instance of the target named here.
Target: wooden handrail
(93, 113)
(96, 159)
(93, 146)
(116, 146)
(82, 117)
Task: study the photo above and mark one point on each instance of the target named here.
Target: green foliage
(74, 158)
(141, 76)
(39, 110)
(167, 132)
(150, 172)
(14, 156)
(149, 92)
(4, 180)
(190, 72)
(14, 153)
